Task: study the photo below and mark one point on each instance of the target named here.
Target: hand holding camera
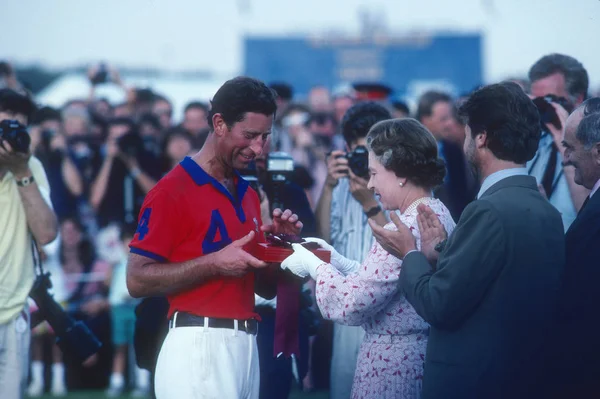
(337, 167)
(14, 147)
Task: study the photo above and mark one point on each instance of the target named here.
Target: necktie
(287, 315)
(548, 178)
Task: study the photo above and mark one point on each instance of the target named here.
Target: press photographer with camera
(127, 173)
(25, 215)
(559, 83)
(342, 212)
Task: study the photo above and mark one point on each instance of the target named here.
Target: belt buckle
(250, 327)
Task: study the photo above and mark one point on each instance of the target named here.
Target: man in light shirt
(25, 213)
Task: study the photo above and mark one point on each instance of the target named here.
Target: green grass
(100, 395)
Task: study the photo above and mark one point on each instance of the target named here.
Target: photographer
(342, 212)
(55, 153)
(25, 212)
(275, 173)
(566, 79)
(131, 171)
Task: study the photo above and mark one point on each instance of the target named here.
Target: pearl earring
(401, 184)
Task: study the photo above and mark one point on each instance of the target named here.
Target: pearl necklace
(414, 205)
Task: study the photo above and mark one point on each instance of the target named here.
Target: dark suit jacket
(492, 296)
(578, 330)
(459, 187)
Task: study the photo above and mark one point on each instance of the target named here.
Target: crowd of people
(463, 236)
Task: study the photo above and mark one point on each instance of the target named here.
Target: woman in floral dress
(404, 168)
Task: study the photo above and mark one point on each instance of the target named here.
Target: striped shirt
(351, 235)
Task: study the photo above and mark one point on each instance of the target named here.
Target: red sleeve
(158, 226)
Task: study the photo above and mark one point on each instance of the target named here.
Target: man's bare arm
(41, 219)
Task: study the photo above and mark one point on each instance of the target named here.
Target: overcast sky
(200, 34)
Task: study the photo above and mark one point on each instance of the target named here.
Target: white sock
(58, 374)
(142, 378)
(117, 380)
(37, 372)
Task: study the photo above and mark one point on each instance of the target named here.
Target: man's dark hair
(428, 100)
(196, 105)
(239, 96)
(150, 119)
(360, 118)
(508, 117)
(408, 149)
(45, 114)
(160, 97)
(16, 103)
(122, 120)
(283, 90)
(576, 77)
(401, 106)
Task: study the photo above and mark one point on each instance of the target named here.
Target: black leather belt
(182, 319)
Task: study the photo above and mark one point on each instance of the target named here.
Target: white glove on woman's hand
(338, 261)
(302, 262)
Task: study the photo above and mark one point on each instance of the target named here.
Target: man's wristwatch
(441, 245)
(26, 181)
(373, 211)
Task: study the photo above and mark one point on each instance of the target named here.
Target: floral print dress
(391, 358)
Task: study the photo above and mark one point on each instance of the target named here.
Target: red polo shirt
(189, 214)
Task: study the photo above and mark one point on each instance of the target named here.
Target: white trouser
(203, 362)
(14, 356)
(346, 345)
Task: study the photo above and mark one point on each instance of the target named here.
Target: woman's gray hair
(407, 148)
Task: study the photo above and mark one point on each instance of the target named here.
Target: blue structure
(453, 61)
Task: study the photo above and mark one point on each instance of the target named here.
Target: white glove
(302, 262)
(340, 262)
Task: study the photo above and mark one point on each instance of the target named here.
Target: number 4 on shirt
(142, 228)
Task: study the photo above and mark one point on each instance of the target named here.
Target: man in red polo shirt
(196, 232)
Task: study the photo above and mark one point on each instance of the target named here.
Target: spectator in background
(285, 95)
(150, 130)
(85, 284)
(194, 119)
(163, 109)
(400, 109)
(127, 173)
(565, 77)
(122, 311)
(178, 144)
(53, 150)
(436, 112)
(319, 99)
(342, 101)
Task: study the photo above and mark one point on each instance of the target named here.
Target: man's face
(22, 119)
(340, 106)
(440, 122)
(470, 151)
(552, 84)
(115, 132)
(245, 140)
(194, 120)
(164, 112)
(587, 171)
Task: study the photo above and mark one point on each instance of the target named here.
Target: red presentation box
(273, 254)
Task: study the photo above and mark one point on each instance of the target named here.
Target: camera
(131, 143)
(101, 75)
(547, 111)
(280, 168)
(74, 338)
(358, 161)
(15, 134)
